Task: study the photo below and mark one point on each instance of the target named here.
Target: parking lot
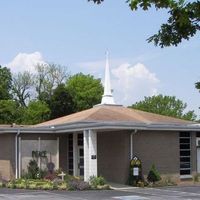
(172, 193)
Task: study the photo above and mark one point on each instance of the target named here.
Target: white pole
(19, 175)
(16, 153)
(57, 152)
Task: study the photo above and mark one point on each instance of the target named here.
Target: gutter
(16, 154)
(114, 125)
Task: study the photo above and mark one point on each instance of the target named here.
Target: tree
(36, 112)
(61, 102)
(165, 105)
(22, 86)
(5, 83)
(197, 85)
(153, 175)
(9, 112)
(48, 77)
(183, 21)
(85, 90)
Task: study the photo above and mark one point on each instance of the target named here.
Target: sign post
(135, 171)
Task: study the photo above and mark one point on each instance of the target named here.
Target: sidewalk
(118, 186)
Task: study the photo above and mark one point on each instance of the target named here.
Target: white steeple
(107, 97)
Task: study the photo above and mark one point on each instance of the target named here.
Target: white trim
(185, 176)
(86, 154)
(58, 140)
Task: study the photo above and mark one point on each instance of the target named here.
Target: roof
(114, 113)
(107, 117)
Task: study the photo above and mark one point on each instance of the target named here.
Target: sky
(77, 34)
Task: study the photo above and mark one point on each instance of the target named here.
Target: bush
(33, 170)
(153, 175)
(97, 181)
(78, 185)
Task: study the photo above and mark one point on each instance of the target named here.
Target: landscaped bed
(70, 183)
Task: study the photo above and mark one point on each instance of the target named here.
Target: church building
(102, 141)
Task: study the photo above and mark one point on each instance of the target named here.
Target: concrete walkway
(117, 186)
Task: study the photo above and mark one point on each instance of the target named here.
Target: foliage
(48, 77)
(36, 112)
(96, 181)
(22, 86)
(77, 184)
(9, 112)
(165, 105)
(61, 102)
(183, 21)
(196, 177)
(153, 175)
(5, 83)
(85, 90)
(33, 170)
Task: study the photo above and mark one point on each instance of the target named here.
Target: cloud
(132, 83)
(25, 61)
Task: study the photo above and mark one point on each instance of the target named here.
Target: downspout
(131, 143)
(16, 153)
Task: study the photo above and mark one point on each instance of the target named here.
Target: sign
(136, 171)
(93, 157)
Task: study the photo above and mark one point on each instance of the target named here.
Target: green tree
(197, 85)
(85, 90)
(153, 175)
(5, 83)
(183, 21)
(165, 105)
(36, 112)
(61, 102)
(9, 112)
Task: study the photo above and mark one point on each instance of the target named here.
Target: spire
(107, 97)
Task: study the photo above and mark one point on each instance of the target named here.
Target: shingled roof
(114, 113)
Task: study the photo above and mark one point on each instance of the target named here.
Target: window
(70, 154)
(185, 153)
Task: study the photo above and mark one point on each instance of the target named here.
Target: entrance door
(80, 161)
(198, 160)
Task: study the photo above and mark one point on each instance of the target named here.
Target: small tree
(153, 175)
(33, 169)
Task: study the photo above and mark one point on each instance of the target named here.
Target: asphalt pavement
(165, 193)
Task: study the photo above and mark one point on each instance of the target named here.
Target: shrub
(33, 170)
(153, 175)
(97, 181)
(78, 185)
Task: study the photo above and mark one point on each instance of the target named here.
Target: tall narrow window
(70, 154)
(185, 153)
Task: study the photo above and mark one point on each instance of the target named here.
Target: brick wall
(113, 156)
(7, 156)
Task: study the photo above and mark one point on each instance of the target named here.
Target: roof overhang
(101, 125)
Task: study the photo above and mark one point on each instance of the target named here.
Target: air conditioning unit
(198, 142)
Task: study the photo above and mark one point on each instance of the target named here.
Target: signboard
(135, 171)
